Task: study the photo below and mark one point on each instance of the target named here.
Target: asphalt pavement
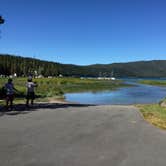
(79, 135)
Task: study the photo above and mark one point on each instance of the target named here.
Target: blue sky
(84, 31)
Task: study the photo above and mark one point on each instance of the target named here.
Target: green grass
(154, 114)
(16, 101)
(57, 87)
(153, 82)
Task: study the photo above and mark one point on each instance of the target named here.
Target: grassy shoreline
(57, 87)
(153, 82)
(154, 113)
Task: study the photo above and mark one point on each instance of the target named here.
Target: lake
(138, 94)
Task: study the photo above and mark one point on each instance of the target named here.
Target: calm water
(138, 94)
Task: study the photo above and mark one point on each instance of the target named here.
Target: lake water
(138, 94)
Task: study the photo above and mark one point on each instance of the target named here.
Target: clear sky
(84, 31)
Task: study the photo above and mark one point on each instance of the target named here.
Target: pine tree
(1, 20)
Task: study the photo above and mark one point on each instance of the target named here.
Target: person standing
(9, 89)
(30, 91)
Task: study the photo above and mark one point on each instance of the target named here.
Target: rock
(163, 103)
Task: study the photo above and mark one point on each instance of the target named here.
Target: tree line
(10, 65)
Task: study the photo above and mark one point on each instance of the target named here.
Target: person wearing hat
(30, 91)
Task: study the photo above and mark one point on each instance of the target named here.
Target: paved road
(80, 136)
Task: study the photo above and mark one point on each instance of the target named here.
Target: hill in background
(10, 64)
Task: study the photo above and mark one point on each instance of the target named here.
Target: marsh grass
(153, 82)
(57, 87)
(16, 101)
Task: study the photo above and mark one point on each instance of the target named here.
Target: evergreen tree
(1, 20)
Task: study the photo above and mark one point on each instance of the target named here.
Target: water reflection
(139, 94)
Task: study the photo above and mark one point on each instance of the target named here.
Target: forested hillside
(24, 66)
